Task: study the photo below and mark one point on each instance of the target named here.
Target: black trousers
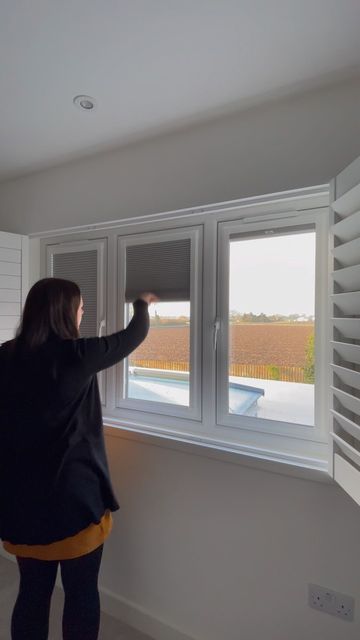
(81, 616)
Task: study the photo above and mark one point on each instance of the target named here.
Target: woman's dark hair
(50, 310)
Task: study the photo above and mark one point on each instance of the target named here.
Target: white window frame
(298, 205)
(261, 426)
(193, 411)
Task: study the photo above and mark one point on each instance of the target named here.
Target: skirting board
(129, 612)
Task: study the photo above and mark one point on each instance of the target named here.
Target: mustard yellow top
(75, 546)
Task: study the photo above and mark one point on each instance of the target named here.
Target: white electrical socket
(337, 604)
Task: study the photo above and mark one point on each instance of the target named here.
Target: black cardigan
(54, 476)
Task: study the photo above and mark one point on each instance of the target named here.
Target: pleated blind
(160, 267)
(345, 343)
(82, 268)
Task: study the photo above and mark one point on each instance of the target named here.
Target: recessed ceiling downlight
(85, 103)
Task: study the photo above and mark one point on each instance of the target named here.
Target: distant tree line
(238, 318)
(165, 321)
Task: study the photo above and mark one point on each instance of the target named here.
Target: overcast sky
(273, 275)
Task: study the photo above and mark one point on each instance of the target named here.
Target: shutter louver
(345, 344)
(10, 284)
(81, 267)
(160, 267)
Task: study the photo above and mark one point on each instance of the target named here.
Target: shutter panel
(13, 282)
(160, 267)
(84, 263)
(345, 329)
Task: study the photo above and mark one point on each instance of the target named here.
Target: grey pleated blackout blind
(160, 267)
(345, 365)
(81, 267)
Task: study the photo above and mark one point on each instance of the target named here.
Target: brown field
(164, 343)
(258, 344)
(275, 344)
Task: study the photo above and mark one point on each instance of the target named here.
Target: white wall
(217, 550)
(225, 552)
(292, 143)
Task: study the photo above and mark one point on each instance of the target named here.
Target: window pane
(271, 333)
(158, 370)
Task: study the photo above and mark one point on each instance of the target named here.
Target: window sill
(223, 453)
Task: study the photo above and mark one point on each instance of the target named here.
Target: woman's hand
(148, 297)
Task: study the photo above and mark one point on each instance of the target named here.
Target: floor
(110, 629)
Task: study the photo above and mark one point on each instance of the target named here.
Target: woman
(56, 496)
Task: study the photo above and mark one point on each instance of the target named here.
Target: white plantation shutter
(345, 343)
(13, 282)
(84, 263)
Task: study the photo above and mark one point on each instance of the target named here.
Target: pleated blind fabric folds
(345, 344)
(81, 267)
(160, 267)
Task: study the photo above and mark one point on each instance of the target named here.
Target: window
(271, 314)
(198, 375)
(159, 370)
(163, 374)
(84, 263)
(271, 366)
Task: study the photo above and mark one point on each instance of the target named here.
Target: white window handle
(102, 324)
(216, 328)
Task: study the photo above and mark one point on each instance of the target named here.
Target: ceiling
(153, 66)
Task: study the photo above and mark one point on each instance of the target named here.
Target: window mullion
(209, 316)
(222, 351)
